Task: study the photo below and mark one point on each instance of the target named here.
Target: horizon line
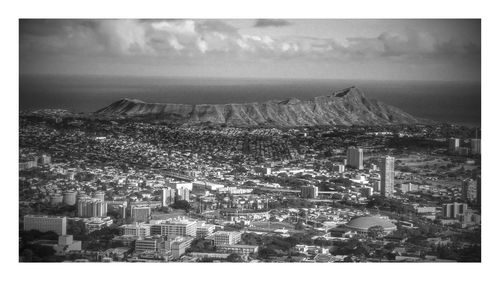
(246, 78)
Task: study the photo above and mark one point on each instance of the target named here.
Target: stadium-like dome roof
(364, 223)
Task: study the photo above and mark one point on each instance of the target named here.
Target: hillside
(345, 107)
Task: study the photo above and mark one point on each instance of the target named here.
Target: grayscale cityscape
(250, 140)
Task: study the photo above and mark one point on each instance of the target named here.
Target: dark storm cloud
(271, 23)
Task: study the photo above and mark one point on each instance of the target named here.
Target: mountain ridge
(347, 106)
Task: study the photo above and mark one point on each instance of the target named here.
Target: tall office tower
(478, 190)
(45, 223)
(183, 194)
(475, 146)
(99, 195)
(69, 197)
(387, 176)
(355, 157)
(453, 145)
(454, 210)
(140, 214)
(469, 190)
(92, 208)
(168, 196)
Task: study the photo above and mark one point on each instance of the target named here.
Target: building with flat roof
(178, 245)
(469, 190)
(454, 210)
(309, 191)
(475, 146)
(140, 214)
(69, 197)
(180, 184)
(99, 195)
(88, 208)
(237, 249)
(174, 227)
(150, 244)
(338, 168)
(44, 223)
(203, 229)
(97, 223)
(183, 193)
(168, 196)
(453, 145)
(355, 158)
(225, 237)
(387, 176)
(137, 229)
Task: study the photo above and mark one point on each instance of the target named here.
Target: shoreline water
(451, 102)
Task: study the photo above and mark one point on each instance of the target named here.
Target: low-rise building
(237, 249)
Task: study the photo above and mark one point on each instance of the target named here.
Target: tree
(27, 255)
(376, 231)
(234, 258)
(181, 204)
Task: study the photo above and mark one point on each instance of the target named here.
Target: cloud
(271, 23)
(195, 39)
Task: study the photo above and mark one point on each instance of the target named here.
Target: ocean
(452, 102)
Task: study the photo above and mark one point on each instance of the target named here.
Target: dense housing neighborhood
(100, 190)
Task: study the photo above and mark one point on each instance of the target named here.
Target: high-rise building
(183, 193)
(475, 146)
(469, 190)
(99, 195)
(387, 176)
(478, 190)
(92, 208)
(339, 168)
(355, 157)
(45, 223)
(454, 210)
(140, 214)
(168, 196)
(453, 145)
(69, 197)
(309, 191)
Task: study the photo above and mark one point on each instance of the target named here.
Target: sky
(395, 49)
